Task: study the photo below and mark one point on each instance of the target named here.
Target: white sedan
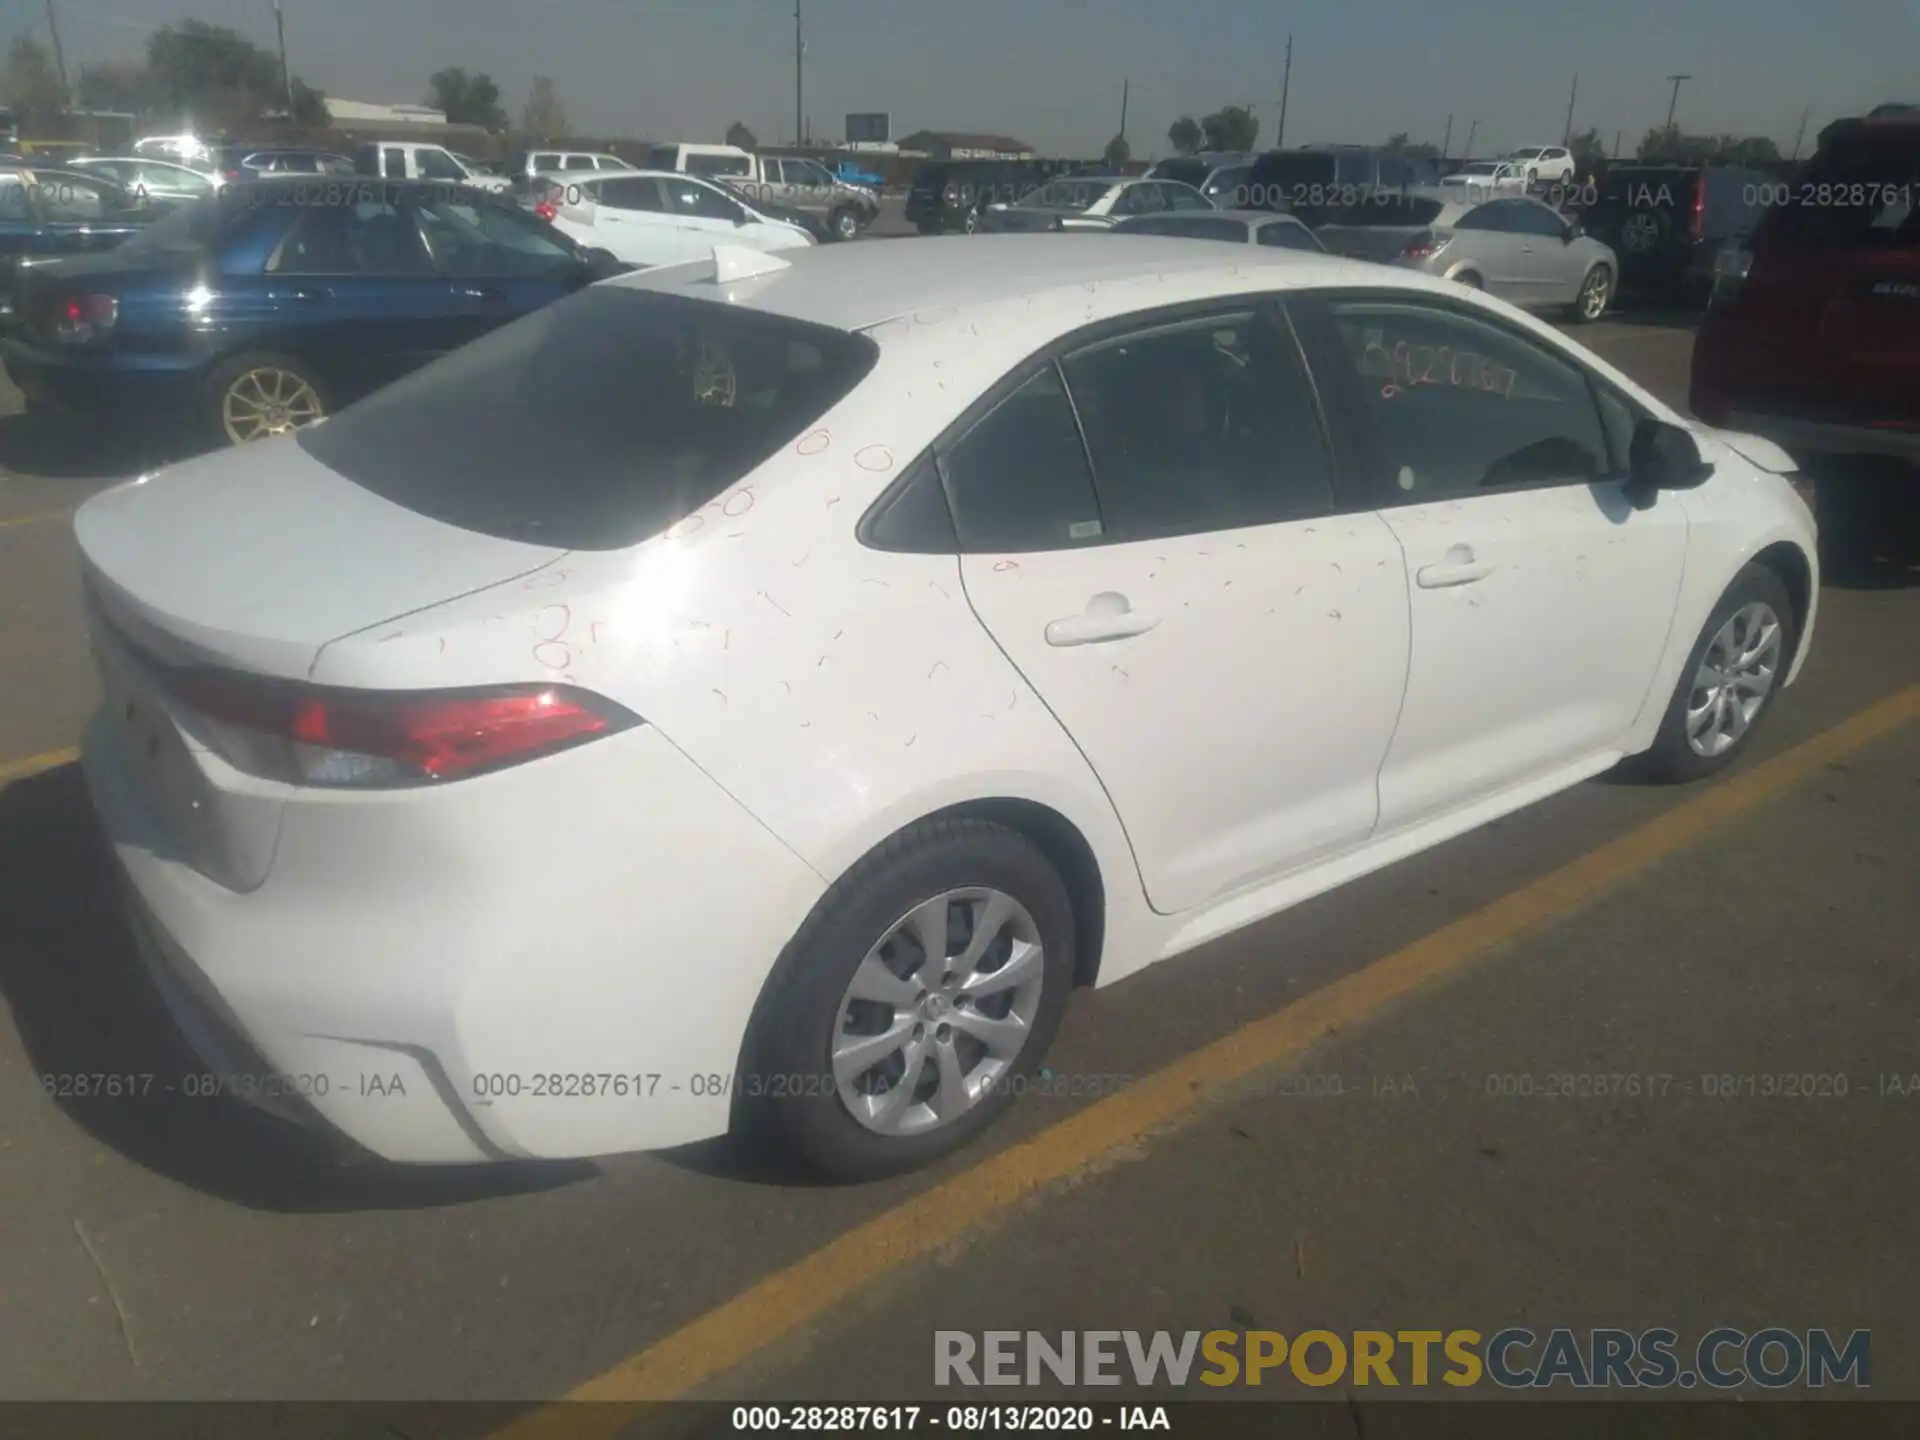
(656, 217)
(754, 693)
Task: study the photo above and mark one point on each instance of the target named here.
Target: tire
(1673, 757)
(971, 225)
(807, 1005)
(1644, 232)
(1469, 279)
(227, 396)
(1596, 294)
(844, 223)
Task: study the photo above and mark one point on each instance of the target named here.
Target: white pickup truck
(400, 160)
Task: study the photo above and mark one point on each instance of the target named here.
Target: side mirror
(1662, 457)
(740, 217)
(1574, 231)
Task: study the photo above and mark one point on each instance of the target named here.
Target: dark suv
(1667, 222)
(1316, 184)
(950, 194)
(1812, 338)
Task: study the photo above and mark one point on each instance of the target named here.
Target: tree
(739, 135)
(213, 77)
(1117, 154)
(1667, 145)
(1589, 152)
(1233, 127)
(1399, 144)
(28, 81)
(544, 117)
(1185, 135)
(467, 99)
(111, 86)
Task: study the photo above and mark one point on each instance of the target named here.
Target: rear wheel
(971, 225)
(258, 396)
(844, 223)
(1469, 279)
(915, 1003)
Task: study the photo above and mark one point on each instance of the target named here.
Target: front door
(1223, 637)
(1541, 599)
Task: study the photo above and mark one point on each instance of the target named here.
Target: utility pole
(286, 75)
(1286, 82)
(1677, 80)
(799, 56)
(1446, 145)
(59, 55)
(1566, 135)
(1125, 86)
(1799, 134)
(1616, 144)
(1472, 130)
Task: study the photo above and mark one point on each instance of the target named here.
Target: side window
(1531, 219)
(438, 165)
(298, 165)
(544, 162)
(394, 163)
(611, 162)
(1209, 424)
(578, 162)
(702, 202)
(1018, 481)
(914, 517)
(1496, 216)
(630, 193)
(774, 172)
(1289, 235)
(365, 239)
(469, 239)
(1180, 197)
(1462, 407)
(1395, 173)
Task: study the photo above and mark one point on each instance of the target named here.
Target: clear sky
(1050, 71)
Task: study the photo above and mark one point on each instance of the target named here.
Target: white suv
(1545, 164)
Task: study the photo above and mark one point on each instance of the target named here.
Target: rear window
(596, 422)
(1864, 195)
(1399, 211)
(1191, 227)
(1187, 172)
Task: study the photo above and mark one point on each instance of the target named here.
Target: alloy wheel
(1735, 679)
(1595, 294)
(938, 1012)
(1640, 234)
(267, 401)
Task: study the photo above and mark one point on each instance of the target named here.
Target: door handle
(309, 293)
(479, 292)
(1457, 567)
(1108, 616)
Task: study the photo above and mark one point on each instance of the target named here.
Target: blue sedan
(274, 303)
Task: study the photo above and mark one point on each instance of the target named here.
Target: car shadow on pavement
(60, 448)
(83, 1006)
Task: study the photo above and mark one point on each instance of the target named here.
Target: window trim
(1320, 338)
(1347, 461)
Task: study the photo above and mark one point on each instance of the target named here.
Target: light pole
(1286, 83)
(286, 75)
(1678, 81)
(799, 56)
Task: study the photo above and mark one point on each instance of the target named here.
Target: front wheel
(1729, 682)
(1596, 293)
(971, 225)
(844, 224)
(258, 396)
(915, 1003)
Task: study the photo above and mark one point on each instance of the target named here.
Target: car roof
(857, 287)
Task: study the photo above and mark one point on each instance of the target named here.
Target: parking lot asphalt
(174, 1248)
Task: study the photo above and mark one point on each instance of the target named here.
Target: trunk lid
(255, 557)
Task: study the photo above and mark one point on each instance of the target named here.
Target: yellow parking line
(775, 1307)
(33, 764)
(39, 519)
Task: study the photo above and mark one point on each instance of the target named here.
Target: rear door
(704, 215)
(1221, 633)
(632, 219)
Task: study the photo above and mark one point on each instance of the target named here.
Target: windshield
(1066, 195)
(1479, 167)
(596, 422)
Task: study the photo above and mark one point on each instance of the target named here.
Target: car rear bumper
(1801, 437)
(508, 967)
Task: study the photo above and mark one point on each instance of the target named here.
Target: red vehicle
(1812, 338)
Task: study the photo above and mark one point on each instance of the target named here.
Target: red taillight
(230, 174)
(374, 740)
(1422, 247)
(80, 318)
(1697, 223)
(546, 210)
(951, 194)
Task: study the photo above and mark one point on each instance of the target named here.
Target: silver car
(1521, 250)
(1236, 227)
(1093, 202)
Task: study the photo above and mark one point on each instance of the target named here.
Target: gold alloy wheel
(267, 400)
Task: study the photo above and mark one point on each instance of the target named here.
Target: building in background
(350, 113)
(952, 145)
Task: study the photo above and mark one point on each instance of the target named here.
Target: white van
(718, 161)
(401, 160)
(652, 217)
